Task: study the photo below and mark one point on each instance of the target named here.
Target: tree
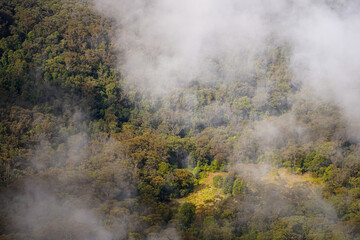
(186, 215)
(218, 181)
(182, 182)
(241, 106)
(238, 187)
(228, 183)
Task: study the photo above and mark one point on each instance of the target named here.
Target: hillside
(179, 120)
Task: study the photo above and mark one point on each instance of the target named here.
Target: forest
(96, 142)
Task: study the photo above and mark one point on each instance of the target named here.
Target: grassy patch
(205, 193)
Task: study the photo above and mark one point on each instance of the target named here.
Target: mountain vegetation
(85, 156)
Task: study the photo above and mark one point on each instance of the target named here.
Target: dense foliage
(81, 157)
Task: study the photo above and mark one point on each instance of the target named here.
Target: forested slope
(86, 155)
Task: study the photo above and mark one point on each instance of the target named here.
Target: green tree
(228, 183)
(238, 187)
(218, 181)
(186, 215)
